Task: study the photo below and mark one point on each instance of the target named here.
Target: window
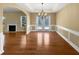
(23, 21)
(46, 21)
(40, 21)
(43, 21)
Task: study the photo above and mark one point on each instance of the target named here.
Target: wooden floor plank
(36, 43)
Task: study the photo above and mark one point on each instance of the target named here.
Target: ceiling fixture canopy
(42, 13)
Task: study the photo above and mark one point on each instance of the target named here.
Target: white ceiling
(37, 7)
(47, 7)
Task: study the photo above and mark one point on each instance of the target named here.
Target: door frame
(49, 22)
(36, 28)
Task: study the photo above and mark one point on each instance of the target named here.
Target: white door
(43, 23)
(47, 23)
(39, 23)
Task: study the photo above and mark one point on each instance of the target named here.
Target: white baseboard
(33, 30)
(48, 31)
(71, 43)
(1, 51)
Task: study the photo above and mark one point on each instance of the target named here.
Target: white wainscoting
(68, 39)
(50, 28)
(56, 29)
(31, 29)
(65, 29)
(1, 42)
(69, 30)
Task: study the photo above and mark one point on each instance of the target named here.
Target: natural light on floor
(43, 38)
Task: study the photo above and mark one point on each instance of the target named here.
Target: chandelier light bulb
(42, 13)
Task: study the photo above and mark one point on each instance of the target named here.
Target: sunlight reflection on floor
(43, 38)
(23, 41)
(46, 39)
(39, 39)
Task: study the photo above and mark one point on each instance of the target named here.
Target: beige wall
(69, 17)
(14, 5)
(33, 18)
(1, 22)
(13, 18)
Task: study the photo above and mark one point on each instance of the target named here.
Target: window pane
(46, 21)
(39, 21)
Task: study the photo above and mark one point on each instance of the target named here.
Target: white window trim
(36, 28)
(21, 20)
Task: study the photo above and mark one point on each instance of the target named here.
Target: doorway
(43, 23)
(15, 20)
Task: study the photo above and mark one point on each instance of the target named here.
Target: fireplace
(12, 28)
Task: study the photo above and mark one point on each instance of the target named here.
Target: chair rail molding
(69, 30)
(68, 39)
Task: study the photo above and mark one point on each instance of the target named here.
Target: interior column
(1, 31)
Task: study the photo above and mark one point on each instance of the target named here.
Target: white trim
(69, 30)
(1, 42)
(1, 51)
(2, 18)
(31, 28)
(43, 23)
(28, 25)
(11, 24)
(68, 40)
(49, 20)
(21, 19)
(1, 32)
(71, 43)
(37, 30)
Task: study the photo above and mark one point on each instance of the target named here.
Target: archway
(21, 8)
(4, 6)
(15, 20)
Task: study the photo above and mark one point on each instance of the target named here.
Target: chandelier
(42, 13)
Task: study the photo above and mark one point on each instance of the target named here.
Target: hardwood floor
(36, 43)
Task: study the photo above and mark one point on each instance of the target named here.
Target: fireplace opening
(12, 28)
